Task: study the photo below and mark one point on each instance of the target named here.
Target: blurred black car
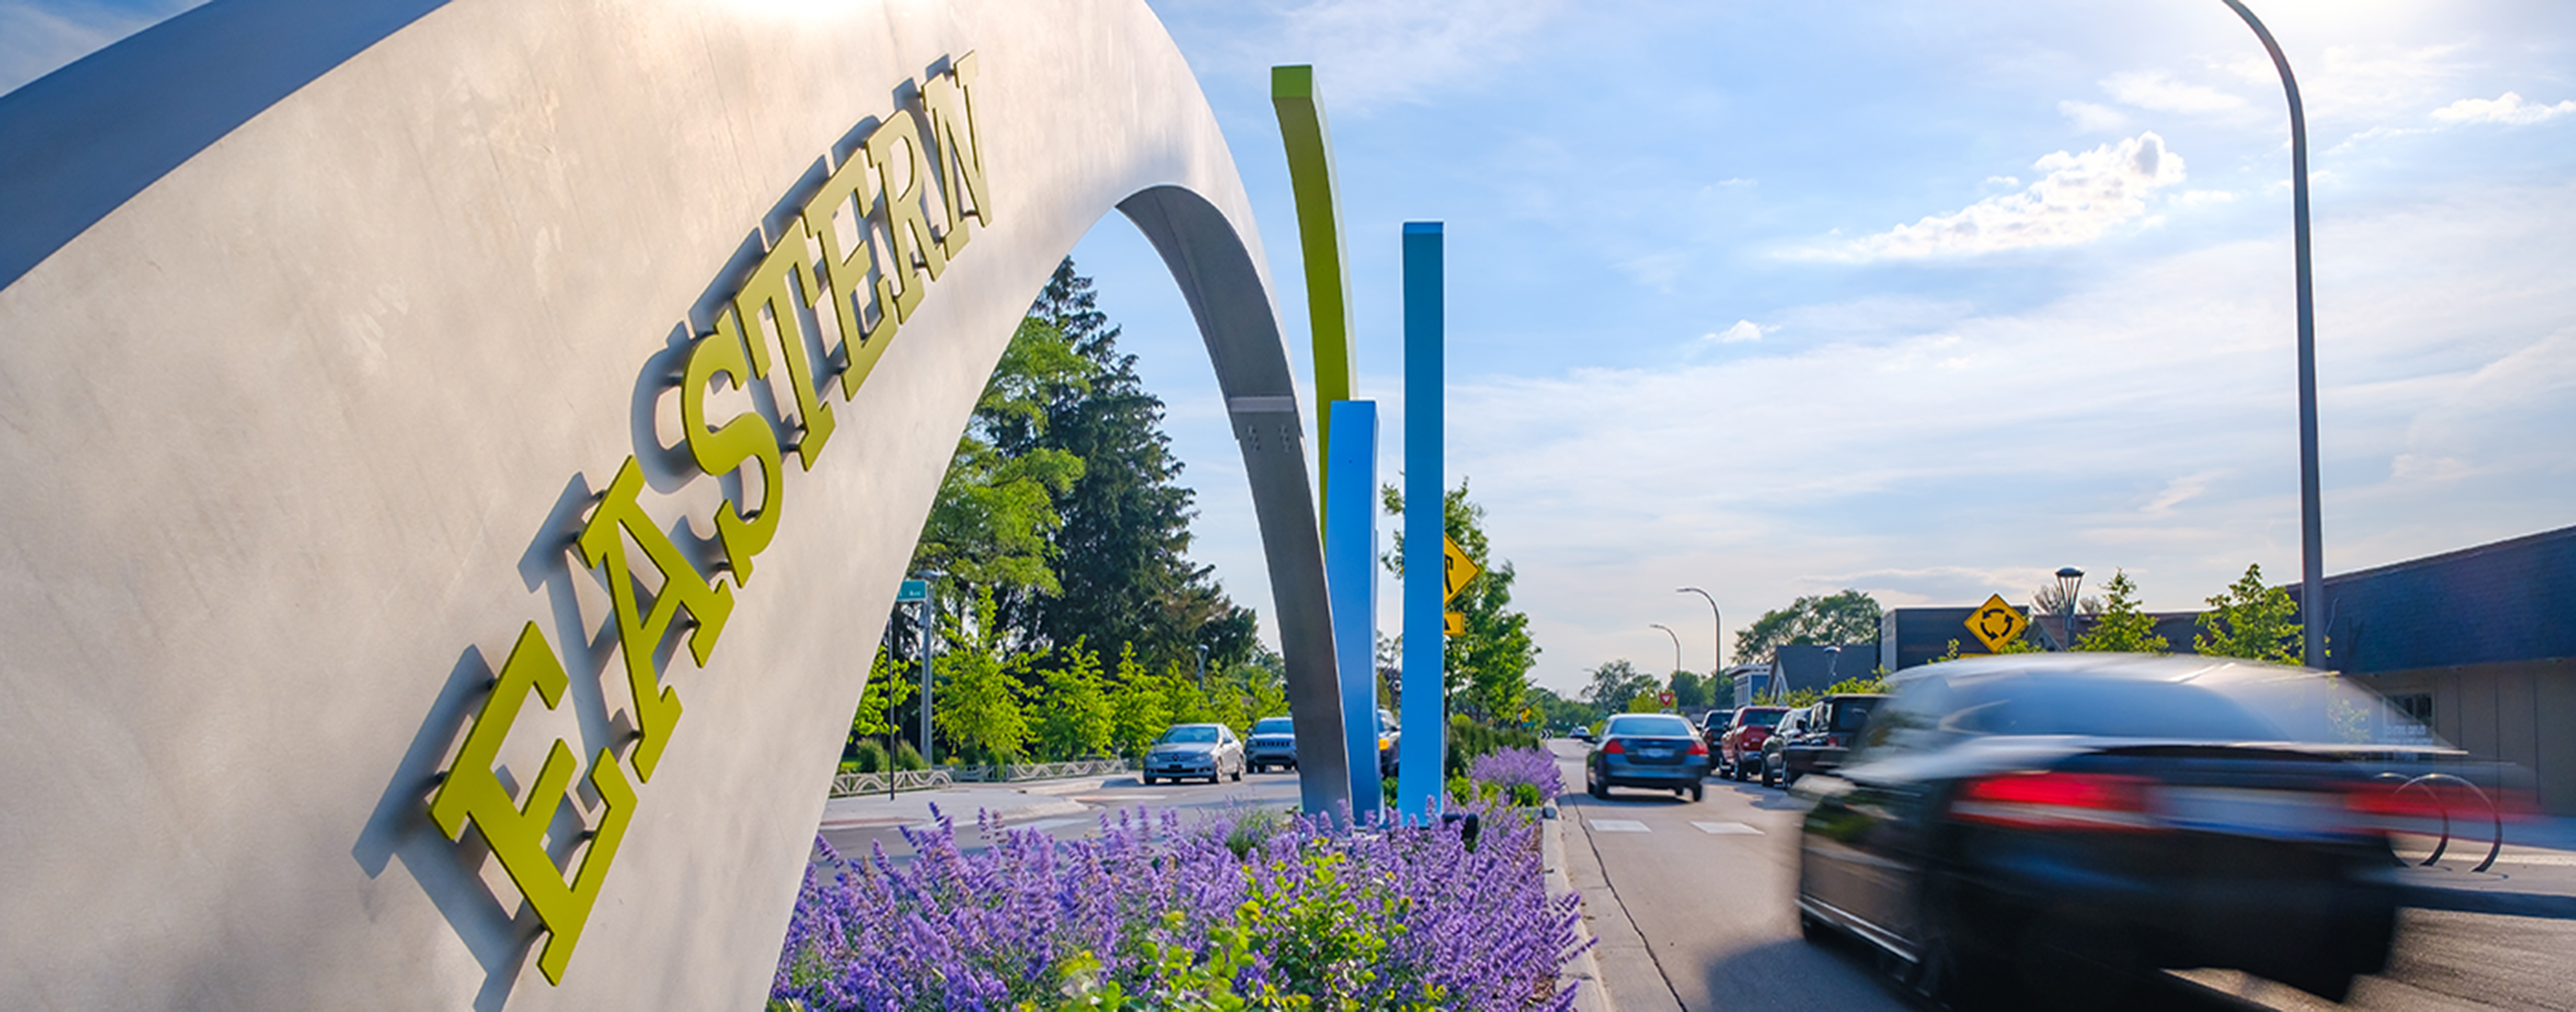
(2047, 826)
(1825, 734)
(1775, 749)
(1655, 750)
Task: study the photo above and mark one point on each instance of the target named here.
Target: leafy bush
(1469, 739)
(868, 756)
(1251, 911)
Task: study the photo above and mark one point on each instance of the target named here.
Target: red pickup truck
(1739, 750)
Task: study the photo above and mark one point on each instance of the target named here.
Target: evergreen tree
(2123, 626)
(1122, 551)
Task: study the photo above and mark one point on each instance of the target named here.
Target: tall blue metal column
(1350, 576)
(1426, 719)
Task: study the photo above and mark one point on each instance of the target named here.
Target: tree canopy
(1486, 668)
(2252, 621)
(2123, 626)
(1820, 619)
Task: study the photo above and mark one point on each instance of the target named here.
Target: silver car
(1195, 750)
(1273, 744)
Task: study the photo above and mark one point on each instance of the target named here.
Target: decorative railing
(849, 784)
(1040, 771)
(852, 784)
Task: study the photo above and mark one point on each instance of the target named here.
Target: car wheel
(1767, 779)
(1149, 781)
(1238, 773)
(1698, 792)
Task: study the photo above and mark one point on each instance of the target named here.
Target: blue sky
(1927, 300)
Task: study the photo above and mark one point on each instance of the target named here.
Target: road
(1699, 915)
(1075, 809)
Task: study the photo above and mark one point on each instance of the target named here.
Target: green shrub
(907, 757)
(1469, 739)
(869, 756)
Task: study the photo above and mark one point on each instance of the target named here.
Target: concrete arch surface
(303, 433)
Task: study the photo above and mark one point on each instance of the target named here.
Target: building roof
(2511, 600)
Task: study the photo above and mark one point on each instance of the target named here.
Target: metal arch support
(1226, 296)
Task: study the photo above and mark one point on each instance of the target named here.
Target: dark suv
(1826, 734)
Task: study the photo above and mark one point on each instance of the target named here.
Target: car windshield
(1761, 718)
(1274, 725)
(1852, 714)
(1650, 725)
(1195, 734)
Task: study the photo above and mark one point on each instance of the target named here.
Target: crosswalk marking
(1619, 826)
(1727, 829)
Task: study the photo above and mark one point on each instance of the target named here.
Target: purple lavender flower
(1508, 767)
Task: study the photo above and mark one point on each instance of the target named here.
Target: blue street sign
(913, 590)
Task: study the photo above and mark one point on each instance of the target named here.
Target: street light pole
(1717, 656)
(1677, 643)
(2312, 566)
(929, 621)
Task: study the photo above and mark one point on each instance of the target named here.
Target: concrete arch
(307, 431)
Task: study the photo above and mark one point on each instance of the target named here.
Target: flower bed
(1256, 910)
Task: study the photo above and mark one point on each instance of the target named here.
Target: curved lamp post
(2312, 611)
(1717, 658)
(1677, 645)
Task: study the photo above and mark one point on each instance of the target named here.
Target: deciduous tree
(2123, 626)
(2252, 621)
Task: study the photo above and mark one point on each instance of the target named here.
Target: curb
(2474, 901)
(1589, 994)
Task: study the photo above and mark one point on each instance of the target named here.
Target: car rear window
(1761, 718)
(1853, 714)
(1650, 725)
(1275, 725)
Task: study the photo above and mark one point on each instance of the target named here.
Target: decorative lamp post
(2070, 581)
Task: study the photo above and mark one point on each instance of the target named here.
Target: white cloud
(2081, 197)
(2092, 118)
(1743, 330)
(2196, 198)
(2157, 90)
(2508, 109)
(2179, 491)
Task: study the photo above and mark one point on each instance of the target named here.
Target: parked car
(1195, 750)
(1273, 744)
(1390, 738)
(1713, 724)
(1581, 733)
(1655, 750)
(1826, 734)
(1739, 747)
(2060, 823)
(1775, 747)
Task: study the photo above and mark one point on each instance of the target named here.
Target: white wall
(298, 435)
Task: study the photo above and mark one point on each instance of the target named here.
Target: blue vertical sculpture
(1425, 716)
(1350, 576)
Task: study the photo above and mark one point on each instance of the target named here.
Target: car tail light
(2051, 800)
(1699, 748)
(1613, 747)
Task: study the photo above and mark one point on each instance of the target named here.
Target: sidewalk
(1012, 802)
(2534, 874)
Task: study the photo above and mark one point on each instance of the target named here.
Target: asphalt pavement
(1693, 904)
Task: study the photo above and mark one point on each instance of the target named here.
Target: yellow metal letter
(908, 236)
(776, 283)
(516, 831)
(640, 631)
(845, 272)
(960, 156)
(743, 533)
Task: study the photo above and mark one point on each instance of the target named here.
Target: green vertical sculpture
(1319, 243)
